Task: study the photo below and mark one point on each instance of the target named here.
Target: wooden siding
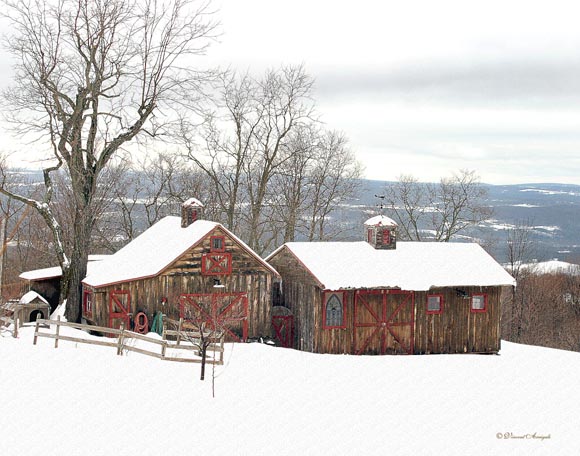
(184, 276)
(457, 329)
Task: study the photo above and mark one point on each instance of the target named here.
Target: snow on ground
(85, 400)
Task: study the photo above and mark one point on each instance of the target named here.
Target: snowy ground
(85, 400)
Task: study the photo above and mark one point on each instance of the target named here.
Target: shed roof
(415, 266)
(30, 296)
(56, 271)
(155, 249)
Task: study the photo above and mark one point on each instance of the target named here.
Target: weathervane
(381, 205)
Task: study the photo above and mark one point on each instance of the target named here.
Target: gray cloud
(514, 83)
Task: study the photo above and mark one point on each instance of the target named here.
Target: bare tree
(245, 144)
(91, 76)
(437, 211)
(334, 179)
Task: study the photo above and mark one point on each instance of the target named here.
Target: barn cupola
(191, 210)
(381, 232)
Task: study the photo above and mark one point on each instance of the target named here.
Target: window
(88, 304)
(434, 304)
(479, 303)
(370, 236)
(386, 237)
(217, 244)
(333, 315)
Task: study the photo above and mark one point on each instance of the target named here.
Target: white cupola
(381, 232)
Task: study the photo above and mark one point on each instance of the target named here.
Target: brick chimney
(191, 210)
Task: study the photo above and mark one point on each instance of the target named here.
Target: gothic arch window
(333, 312)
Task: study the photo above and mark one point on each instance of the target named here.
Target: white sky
(427, 87)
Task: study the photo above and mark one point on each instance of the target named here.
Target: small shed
(184, 267)
(380, 296)
(30, 307)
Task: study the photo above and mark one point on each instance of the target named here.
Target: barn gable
(155, 250)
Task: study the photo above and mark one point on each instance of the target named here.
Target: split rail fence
(184, 340)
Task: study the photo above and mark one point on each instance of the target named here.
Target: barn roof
(54, 272)
(155, 249)
(415, 266)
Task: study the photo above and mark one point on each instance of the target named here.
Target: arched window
(334, 310)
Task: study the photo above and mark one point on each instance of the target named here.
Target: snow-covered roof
(27, 298)
(155, 249)
(381, 220)
(54, 272)
(416, 266)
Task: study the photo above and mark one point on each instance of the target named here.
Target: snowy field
(86, 400)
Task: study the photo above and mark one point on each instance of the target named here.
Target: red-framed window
(370, 236)
(333, 310)
(478, 303)
(386, 237)
(216, 263)
(88, 304)
(217, 244)
(434, 304)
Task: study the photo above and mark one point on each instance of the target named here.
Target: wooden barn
(184, 267)
(380, 296)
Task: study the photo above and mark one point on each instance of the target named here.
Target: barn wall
(184, 276)
(334, 340)
(457, 329)
(301, 294)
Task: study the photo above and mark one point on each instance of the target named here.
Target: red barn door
(119, 309)
(223, 311)
(284, 329)
(383, 322)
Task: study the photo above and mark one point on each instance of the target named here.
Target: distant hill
(552, 209)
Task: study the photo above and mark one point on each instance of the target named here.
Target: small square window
(479, 303)
(434, 304)
(217, 244)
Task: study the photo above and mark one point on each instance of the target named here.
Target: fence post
(36, 330)
(57, 331)
(179, 330)
(15, 332)
(120, 341)
(163, 349)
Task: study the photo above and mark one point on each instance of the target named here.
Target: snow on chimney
(191, 210)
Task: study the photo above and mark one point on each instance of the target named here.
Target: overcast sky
(428, 87)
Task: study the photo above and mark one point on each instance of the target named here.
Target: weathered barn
(184, 267)
(380, 296)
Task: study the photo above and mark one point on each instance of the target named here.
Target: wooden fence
(185, 340)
